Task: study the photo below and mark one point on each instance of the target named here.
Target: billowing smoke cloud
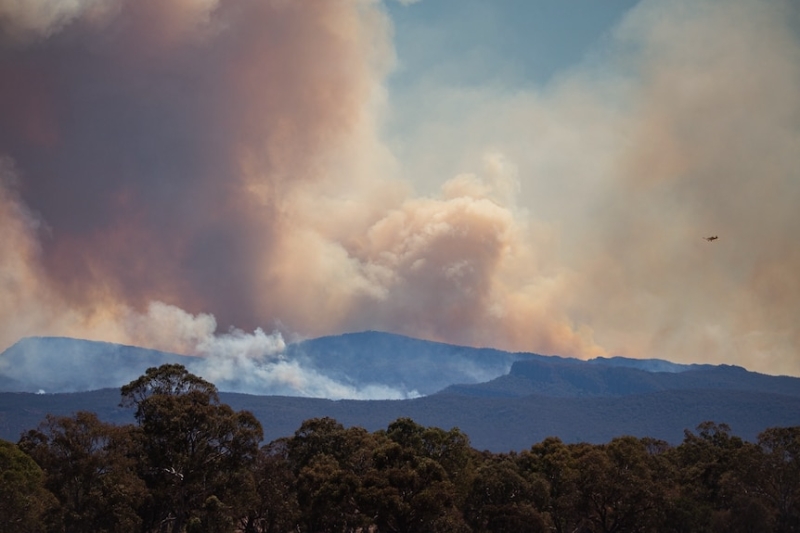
(167, 159)
(712, 133)
(155, 152)
(686, 124)
(32, 19)
(244, 362)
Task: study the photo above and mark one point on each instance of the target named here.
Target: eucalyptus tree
(767, 482)
(24, 501)
(704, 462)
(273, 505)
(551, 463)
(90, 468)
(196, 453)
(621, 487)
(420, 479)
(503, 499)
(330, 463)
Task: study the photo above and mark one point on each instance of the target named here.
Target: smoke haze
(177, 173)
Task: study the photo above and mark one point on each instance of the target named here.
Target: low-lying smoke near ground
(171, 169)
(233, 361)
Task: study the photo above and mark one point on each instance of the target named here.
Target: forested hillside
(192, 463)
(498, 424)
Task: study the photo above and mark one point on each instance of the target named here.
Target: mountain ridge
(530, 397)
(564, 380)
(391, 365)
(495, 424)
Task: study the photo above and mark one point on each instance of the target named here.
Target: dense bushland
(191, 463)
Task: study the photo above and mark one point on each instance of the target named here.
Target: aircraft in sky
(712, 238)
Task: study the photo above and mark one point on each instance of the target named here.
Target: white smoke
(237, 361)
(25, 19)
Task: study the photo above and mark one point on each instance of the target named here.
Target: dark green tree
(273, 507)
(412, 487)
(704, 462)
(89, 468)
(551, 462)
(501, 499)
(330, 462)
(619, 487)
(781, 484)
(746, 510)
(23, 497)
(769, 476)
(196, 452)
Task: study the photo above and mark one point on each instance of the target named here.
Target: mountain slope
(356, 365)
(570, 378)
(496, 424)
(401, 362)
(60, 364)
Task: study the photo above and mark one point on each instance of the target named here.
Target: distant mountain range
(391, 366)
(58, 364)
(503, 401)
(400, 367)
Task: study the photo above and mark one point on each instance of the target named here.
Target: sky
(224, 176)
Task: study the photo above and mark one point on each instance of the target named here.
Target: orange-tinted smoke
(224, 157)
(159, 142)
(712, 149)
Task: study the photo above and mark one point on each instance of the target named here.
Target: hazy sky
(531, 176)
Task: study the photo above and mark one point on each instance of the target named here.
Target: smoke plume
(172, 170)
